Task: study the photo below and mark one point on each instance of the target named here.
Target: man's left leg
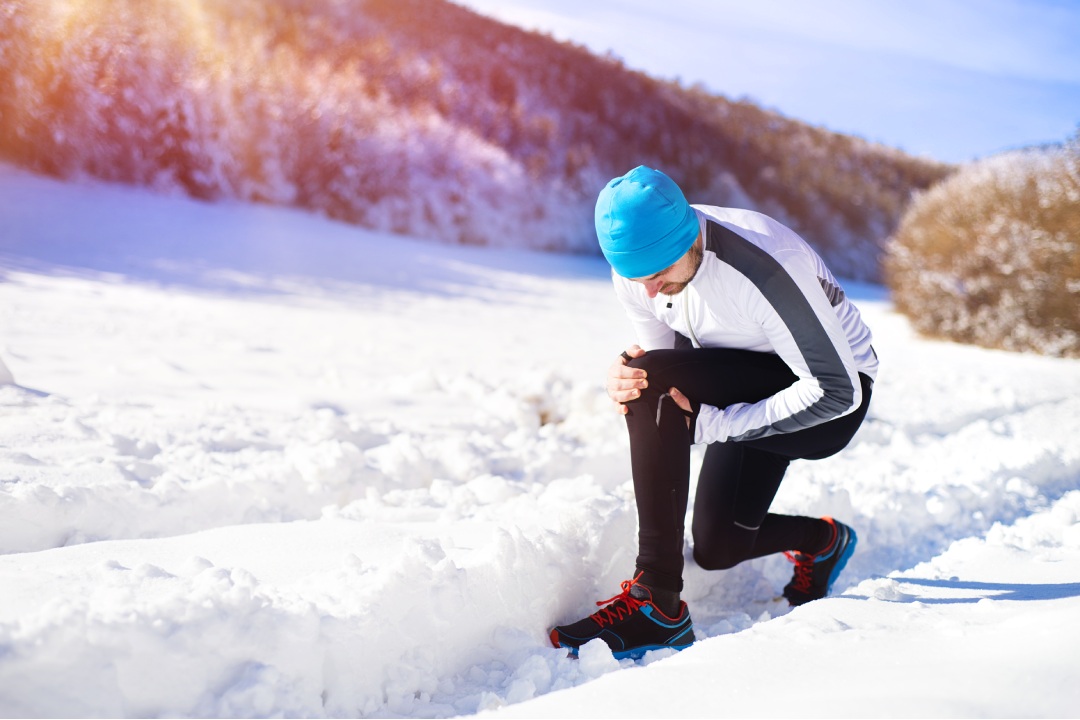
(732, 522)
(735, 489)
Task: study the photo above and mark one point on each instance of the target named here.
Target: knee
(651, 363)
(715, 558)
(650, 395)
(715, 550)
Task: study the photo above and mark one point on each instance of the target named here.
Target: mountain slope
(415, 116)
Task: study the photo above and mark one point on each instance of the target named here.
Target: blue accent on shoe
(849, 549)
(658, 617)
(638, 652)
(630, 625)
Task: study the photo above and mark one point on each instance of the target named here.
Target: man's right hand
(626, 383)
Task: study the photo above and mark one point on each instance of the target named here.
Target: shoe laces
(804, 562)
(619, 607)
(804, 570)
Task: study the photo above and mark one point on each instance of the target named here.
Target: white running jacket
(760, 287)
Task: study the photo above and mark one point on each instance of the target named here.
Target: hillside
(414, 116)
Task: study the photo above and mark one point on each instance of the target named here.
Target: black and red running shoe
(630, 624)
(815, 573)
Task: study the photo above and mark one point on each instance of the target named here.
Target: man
(746, 342)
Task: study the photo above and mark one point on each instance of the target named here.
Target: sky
(952, 80)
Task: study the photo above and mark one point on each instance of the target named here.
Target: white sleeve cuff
(709, 427)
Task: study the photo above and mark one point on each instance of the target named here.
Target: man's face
(674, 279)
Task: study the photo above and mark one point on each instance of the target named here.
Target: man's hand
(626, 383)
(683, 402)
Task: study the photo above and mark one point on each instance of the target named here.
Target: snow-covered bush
(991, 256)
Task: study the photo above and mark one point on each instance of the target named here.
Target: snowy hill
(413, 116)
(260, 463)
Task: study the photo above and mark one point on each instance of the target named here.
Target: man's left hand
(683, 402)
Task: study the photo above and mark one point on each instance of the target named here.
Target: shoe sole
(634, 653)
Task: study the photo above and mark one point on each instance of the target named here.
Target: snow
(254, 462)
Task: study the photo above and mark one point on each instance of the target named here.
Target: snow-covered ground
(257, 463)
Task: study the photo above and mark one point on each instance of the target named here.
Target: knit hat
(644, 223)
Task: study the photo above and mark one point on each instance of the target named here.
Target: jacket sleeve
(793, 310)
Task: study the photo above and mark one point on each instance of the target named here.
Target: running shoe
(630, 624)
(815, 573)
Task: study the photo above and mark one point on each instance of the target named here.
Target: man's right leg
(660, 460)
(649, 614)
(660, 443)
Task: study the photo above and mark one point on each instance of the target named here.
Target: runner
(747, 343)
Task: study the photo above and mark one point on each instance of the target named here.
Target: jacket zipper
(686, 318)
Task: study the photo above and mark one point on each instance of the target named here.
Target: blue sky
(949, 79)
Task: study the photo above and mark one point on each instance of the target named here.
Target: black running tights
(738, 480)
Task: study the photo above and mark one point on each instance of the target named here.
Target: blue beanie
(644, 223)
